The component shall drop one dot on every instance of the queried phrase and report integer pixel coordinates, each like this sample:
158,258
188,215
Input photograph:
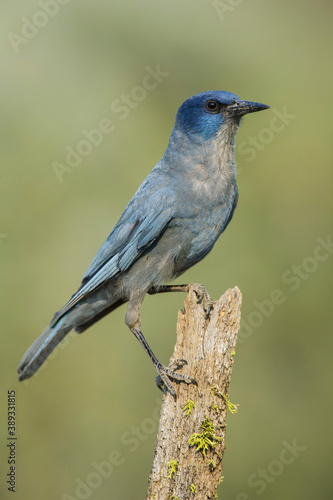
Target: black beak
240,108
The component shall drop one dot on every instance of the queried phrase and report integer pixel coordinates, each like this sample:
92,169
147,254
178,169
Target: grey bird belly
188,237
183,243
154,267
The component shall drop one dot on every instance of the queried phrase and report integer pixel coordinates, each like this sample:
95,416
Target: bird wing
136,230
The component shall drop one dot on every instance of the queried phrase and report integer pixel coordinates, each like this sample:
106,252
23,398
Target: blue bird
170,224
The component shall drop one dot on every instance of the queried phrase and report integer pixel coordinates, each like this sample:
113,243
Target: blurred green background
91,399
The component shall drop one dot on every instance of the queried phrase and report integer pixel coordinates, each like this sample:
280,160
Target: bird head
203,115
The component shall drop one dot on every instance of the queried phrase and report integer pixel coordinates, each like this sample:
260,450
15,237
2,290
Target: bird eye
212,106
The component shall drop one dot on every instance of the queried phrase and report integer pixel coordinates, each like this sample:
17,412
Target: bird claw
203,298
165,373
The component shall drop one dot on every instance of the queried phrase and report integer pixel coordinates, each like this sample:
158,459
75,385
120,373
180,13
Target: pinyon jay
170,224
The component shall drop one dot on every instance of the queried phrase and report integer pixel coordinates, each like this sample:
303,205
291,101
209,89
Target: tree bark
191,436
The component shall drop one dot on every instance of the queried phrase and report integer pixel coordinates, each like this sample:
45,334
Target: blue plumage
171,223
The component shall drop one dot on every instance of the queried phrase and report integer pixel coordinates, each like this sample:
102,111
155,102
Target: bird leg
200,291
164,373
169,288
133,321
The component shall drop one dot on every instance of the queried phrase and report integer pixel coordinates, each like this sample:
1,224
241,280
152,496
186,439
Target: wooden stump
191,436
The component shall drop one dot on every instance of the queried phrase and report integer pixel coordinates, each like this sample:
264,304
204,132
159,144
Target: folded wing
133,234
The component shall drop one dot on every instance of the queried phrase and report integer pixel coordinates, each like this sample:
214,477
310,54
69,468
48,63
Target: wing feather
128,240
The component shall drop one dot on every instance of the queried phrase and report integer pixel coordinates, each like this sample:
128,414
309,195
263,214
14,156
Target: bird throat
223,149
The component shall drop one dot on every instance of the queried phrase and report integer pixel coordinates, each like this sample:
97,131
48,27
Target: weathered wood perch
191,439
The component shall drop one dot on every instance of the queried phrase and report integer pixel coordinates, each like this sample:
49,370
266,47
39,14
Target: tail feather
87,324
79,317
41,348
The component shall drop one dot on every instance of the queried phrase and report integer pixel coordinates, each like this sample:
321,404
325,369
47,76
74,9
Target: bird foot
165,373
203,297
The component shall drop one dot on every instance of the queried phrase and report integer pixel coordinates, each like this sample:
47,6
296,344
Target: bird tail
42,347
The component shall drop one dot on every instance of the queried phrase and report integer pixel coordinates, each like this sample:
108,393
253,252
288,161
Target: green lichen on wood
212,464
206,440
189,405
230,406
173,466
216,408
